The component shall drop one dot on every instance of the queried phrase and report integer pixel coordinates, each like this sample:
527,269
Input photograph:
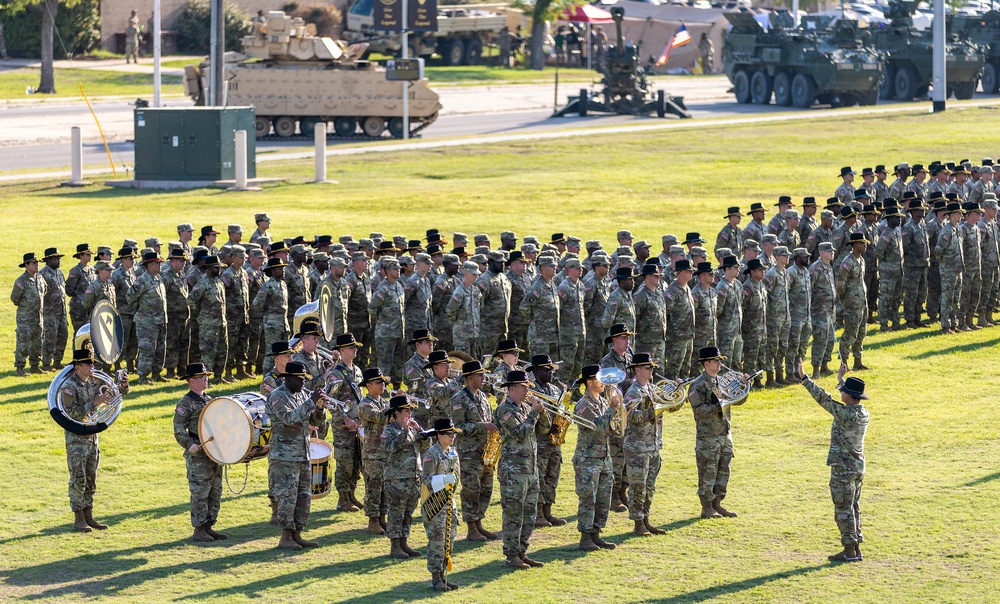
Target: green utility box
192,143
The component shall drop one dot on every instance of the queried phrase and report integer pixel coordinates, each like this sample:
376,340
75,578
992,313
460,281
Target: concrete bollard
76,159
241,160
320,135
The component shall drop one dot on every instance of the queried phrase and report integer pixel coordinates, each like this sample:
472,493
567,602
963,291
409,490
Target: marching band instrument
328,358
669,395
611,377
562,417
426,402
491,452
235,429
105,339
458,358
733,387
320,453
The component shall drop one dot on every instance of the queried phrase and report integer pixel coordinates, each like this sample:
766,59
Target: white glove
439,481
450,479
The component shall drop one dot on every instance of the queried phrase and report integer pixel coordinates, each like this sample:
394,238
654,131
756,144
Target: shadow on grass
737,586
910,335
982,479
968,347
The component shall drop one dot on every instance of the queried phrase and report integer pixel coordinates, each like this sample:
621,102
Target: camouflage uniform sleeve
455,303
71,281
822,396
701,402
181,417
459,417
394,438
73,403
527,308
843,273
18,291
510,427
134,292
291,415
376,303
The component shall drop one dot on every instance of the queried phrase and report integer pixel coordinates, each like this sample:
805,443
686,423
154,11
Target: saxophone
491,453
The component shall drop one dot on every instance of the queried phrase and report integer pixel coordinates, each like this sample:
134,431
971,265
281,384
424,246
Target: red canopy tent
588,14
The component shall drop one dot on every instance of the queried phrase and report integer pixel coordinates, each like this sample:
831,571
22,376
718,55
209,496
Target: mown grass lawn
929,496
95,83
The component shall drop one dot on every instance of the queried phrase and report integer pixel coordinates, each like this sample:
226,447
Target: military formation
899,253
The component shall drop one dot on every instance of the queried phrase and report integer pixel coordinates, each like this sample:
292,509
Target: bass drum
235,429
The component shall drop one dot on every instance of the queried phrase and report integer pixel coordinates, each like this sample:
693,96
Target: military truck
296,80
824,62
909,63
984,32
463,31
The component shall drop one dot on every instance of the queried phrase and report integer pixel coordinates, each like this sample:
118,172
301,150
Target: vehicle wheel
783,89
989,80
284,126
965,90
760,88
396,127
456,52
373,126
307,126
871,97
905,83
741,86
473,51
345,126
262,126
888,86
803,91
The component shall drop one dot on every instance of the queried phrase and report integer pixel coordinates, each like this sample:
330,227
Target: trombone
557,408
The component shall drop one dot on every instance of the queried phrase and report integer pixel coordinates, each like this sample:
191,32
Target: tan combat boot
640,529
653,529
288,540
438,583
201,535
717,506
553,520
274,513
215,534
515,561
474,535
485,533
374,527
396,551
708,511
816,374
540,519
405,546
88,515
596,538
587,543
530,562
80,523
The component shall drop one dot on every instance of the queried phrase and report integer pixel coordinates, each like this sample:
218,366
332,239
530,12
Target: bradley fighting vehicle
626,89
821,62
984,32
296,80
909,61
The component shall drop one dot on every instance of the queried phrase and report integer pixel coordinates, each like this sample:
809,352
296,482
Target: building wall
115,13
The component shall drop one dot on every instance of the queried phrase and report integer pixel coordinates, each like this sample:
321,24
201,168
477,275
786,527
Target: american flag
680,38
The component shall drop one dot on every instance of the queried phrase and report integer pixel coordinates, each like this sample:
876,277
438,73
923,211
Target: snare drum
320,453
238,426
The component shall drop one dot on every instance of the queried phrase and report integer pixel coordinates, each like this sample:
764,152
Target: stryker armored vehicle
823,61
296,80
909,64
984,32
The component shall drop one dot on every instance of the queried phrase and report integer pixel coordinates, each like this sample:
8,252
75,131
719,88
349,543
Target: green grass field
929,495
95,83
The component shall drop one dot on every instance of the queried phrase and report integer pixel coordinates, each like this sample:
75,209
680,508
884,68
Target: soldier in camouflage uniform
989,236
650,315
984,185
123,277
256,278
520,283
80,277
846,458
778,318
440,387
387,313
870,227
237,288
471,413
889,251
204,476
148,297
822,311
372,414
310,335
464,312
879,190
949,253
714,440
777,222
729,311
297,280
845,192
918,184
209,297
101,289
281,355
415,377
444,288
916,259
549,454
789,235
592,461
176,288
898,186
972,277
706,309
597,290
824,232
359,295
401,441
518,420
854,298
271,303
318,271
620,307
642,456
799,304
620,356
808,222
756,229
754,307
572,321
28,295
345,421
495,289
540,308
81,394
441,470
289,473
731,235
55,331
680,322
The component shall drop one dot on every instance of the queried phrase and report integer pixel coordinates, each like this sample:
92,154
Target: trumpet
563,417
426,402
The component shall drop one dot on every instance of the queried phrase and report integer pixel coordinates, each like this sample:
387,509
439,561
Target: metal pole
218,43
590,48
156,53
320,135
212,56
405,52
795,11
939,79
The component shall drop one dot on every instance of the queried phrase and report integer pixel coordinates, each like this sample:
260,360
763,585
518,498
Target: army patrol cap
478,259
781,251
624,251
132,243
152,242
600,260
826,215
426,258
531,239
573,263
471,268
722,252
624,235
482,250
261,217
800,252
676,249
985,170
496,256
317,257
592,244
450,259
641,244
400,240
226,250
790,214
404,261
366,244
529,248
235,228
825,246
374,236
102,265
459,239
508,235
481,239
298,248
185,228
256,253
699,252
356,256
669,240
546,261
990,201
389,263
238,251
103,249
751,244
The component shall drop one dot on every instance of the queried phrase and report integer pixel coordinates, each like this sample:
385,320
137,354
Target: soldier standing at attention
845,192
132,39
372,413
789,235
934,222
972,277
101,289
123,277
854,299
518,420
756,229
879,189
917,185
572,321
359,295
263,223
549,454
444,287
778,319
898,186
401,441
471,412
55,331
949,254
282,355
777,222
729,309
148,297
597,289
237,289
916,259
731,235
176,288
517,276
592,461
271,303
463,312
621,307
80,278
297,280
824,232
204,476
387,313
28,296
620,356
209,297
440,474
340,300
495,305
714,439
870,227
540,308
680,322
823,310
989,236
309,335
417,289
846,458
705,309
650,314
289,473
808,222
889,251
255,280
799,305
754,303
345,421
642,456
